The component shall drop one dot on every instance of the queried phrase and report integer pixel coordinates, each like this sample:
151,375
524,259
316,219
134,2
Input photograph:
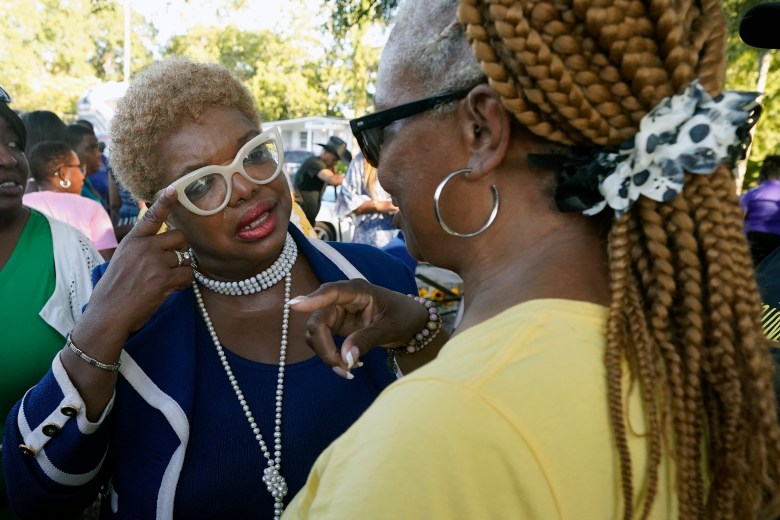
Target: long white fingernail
352,357
297,299
343,373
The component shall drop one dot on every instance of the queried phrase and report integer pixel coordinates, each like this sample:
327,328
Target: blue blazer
151,408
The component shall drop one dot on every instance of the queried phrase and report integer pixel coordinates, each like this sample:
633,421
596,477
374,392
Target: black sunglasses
4,97
369,130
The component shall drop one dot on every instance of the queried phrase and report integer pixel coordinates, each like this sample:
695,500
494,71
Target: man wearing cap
316,172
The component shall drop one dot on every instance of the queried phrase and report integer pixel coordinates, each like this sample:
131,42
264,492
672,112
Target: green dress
28,344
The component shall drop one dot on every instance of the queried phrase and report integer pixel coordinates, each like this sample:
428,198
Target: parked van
98,105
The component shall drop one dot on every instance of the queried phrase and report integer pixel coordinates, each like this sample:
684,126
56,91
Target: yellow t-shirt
510,421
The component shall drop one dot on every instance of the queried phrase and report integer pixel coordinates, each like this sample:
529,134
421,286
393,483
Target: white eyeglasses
207,190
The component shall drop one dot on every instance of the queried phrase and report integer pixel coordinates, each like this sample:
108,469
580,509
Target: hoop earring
65,183
444,226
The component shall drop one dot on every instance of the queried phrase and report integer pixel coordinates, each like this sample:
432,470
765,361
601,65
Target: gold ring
180,258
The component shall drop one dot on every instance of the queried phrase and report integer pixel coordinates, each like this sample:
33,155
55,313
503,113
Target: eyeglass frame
385,118
227,172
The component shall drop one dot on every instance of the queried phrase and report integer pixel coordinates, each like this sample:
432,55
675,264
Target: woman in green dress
45,279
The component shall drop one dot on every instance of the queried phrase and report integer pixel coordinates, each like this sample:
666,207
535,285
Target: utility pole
127,42
764,61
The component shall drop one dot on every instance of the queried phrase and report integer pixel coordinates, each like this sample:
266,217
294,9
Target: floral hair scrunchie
689,132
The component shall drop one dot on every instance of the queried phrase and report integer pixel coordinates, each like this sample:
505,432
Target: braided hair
684,315
685,309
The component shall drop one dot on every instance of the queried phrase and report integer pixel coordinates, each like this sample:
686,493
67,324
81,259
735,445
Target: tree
348,14
51,51
300,68
350,71
279,73
356,30
744,72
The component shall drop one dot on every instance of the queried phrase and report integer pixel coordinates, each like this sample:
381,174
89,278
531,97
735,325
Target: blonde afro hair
159,101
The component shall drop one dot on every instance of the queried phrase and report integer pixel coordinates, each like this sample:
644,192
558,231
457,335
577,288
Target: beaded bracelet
108,367
420,340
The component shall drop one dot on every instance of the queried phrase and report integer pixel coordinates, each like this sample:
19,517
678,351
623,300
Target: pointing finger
155,216
350,294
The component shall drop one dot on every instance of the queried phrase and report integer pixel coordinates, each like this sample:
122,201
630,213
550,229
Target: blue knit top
175,445
223,466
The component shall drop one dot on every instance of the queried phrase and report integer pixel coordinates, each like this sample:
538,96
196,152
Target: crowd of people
572,162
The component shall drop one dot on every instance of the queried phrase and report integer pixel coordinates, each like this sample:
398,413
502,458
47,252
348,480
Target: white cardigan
74,259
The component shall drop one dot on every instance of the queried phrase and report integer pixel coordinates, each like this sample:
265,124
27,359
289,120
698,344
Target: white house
305,132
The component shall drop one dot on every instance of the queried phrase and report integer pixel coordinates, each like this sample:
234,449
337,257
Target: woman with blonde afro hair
187,390
573,161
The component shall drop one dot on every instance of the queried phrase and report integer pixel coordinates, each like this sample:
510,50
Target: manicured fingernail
352,354
297,299
359,364
169,190
343,373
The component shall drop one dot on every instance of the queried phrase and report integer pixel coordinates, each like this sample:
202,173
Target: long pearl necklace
258,282
272,476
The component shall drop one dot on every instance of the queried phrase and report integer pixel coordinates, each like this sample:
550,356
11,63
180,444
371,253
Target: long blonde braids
685,309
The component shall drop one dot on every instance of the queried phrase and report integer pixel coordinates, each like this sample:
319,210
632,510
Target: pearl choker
258,282
272,477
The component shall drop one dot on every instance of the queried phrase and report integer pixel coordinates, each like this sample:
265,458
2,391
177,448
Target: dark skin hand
367,315
373,206
141,276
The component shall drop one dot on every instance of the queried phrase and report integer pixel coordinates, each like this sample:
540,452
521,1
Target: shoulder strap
337,258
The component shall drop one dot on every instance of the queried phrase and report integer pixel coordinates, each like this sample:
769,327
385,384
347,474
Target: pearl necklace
272,476
258,282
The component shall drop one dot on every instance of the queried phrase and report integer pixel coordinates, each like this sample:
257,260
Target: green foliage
51,51
742,74
236,50
353,25
281,75
296,71
349,14
350,70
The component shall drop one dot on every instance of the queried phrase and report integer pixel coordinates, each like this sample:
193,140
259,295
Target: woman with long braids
572,161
